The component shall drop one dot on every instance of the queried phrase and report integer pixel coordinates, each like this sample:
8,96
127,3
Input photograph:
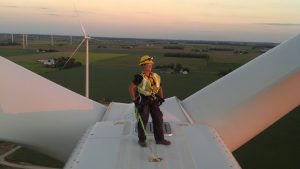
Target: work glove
137,101
160,100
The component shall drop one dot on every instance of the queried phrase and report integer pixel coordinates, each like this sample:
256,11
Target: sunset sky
236,20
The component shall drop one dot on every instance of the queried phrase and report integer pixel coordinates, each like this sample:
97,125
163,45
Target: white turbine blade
74,52
248,100
31,104
82,29
81,25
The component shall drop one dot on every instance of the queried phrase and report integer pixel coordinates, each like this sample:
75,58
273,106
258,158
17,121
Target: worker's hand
160,101
137,101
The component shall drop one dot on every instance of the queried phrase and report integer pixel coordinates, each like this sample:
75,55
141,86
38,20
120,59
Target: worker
147,94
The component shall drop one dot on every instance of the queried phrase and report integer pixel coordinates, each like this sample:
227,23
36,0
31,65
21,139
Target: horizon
233,20
134,38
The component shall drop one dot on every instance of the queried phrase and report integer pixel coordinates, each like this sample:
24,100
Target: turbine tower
52,43
26,40
23,41
12,38
87,69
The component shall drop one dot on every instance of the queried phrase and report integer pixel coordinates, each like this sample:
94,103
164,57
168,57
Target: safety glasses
151,58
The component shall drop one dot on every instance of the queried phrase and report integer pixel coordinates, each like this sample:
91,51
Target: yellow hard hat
146,59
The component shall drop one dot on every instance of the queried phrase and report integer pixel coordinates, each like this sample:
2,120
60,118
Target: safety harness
149,85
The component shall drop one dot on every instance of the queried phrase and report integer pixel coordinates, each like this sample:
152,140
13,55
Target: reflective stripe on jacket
149,85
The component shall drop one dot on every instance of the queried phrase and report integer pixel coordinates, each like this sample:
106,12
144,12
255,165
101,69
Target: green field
116,68
112,69
28,156
7,52
277,147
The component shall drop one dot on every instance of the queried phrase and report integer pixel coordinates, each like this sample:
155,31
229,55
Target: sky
224,20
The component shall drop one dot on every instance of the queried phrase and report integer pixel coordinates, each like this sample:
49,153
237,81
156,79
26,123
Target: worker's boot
143,144
164,142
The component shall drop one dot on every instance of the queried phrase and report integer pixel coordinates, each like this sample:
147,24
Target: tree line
188,55
176,68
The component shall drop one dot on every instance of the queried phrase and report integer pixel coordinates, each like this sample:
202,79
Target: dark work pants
150,107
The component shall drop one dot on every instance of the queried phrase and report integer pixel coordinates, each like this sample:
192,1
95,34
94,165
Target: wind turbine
12,38
23,41
26,40
52,43
71,40
87,70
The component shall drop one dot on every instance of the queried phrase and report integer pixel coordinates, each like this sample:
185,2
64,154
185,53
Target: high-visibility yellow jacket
149,85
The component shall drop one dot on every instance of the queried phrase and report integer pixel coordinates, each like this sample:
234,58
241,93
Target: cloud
53,14
43,8
281,24
11,6
83,12
26,7
59,15
226,5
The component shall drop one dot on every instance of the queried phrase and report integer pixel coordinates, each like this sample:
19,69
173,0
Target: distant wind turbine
12,38
26,40
52,43
85,39
23,41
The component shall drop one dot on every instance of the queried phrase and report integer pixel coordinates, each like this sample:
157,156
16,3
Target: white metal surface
111,145
251,98
167,130
171,109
